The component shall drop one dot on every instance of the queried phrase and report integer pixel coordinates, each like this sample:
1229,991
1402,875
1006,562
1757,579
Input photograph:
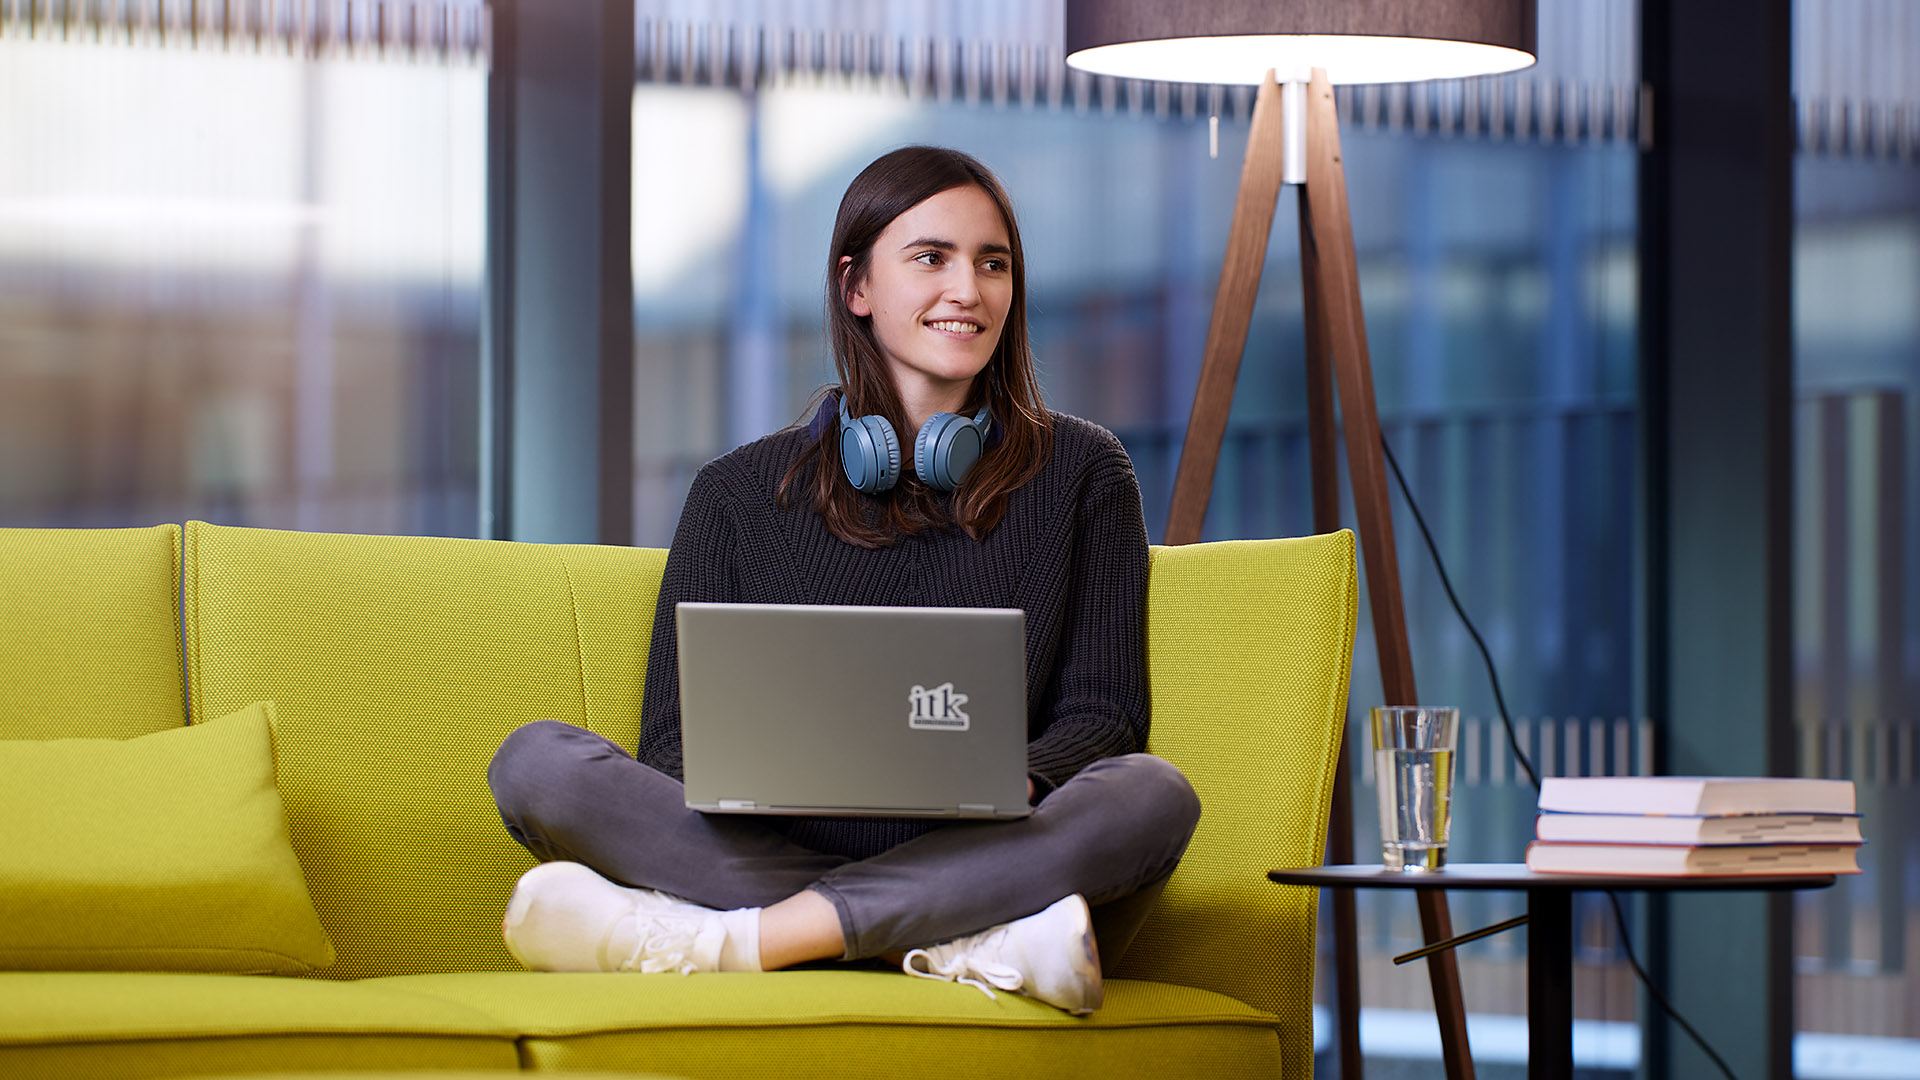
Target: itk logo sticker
937,709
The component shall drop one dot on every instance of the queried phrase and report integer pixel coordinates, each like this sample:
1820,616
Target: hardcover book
1716,829
1695,796
1686,861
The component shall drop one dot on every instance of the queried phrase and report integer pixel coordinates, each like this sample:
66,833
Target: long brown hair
1007,386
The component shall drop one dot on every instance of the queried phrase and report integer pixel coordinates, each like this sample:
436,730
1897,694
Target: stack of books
1695,825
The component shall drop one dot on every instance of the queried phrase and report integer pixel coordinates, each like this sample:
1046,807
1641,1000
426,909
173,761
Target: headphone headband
944,450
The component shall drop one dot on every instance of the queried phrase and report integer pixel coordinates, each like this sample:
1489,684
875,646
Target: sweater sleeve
1098,703
700,567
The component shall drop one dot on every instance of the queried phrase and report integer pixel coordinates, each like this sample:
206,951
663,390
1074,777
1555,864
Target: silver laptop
866,711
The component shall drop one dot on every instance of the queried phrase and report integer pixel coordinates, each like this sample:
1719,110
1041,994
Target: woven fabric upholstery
1249,646
398,665
167,1058
90,627
141,1024
166,852
840,1022
438,1074
40,1008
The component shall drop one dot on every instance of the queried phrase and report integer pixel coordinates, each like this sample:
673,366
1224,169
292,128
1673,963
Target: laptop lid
843,710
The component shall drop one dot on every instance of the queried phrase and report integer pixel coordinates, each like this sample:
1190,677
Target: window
239,284
1856,519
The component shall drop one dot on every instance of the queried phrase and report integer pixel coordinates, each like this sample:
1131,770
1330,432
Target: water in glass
1416,797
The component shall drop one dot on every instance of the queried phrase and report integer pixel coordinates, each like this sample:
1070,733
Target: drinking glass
1413,749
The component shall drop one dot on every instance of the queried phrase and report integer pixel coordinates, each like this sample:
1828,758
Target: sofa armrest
1250,644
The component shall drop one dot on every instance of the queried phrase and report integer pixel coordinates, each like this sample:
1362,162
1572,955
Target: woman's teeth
955,327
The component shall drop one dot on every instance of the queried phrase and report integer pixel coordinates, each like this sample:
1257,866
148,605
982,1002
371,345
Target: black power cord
1619,916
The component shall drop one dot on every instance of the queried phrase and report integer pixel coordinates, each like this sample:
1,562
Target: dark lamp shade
1356,41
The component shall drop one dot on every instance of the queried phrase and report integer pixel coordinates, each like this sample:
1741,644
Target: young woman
990,500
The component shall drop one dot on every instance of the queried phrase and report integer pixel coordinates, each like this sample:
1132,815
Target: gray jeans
1113,834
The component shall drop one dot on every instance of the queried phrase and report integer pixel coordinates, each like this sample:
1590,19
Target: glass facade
1857,587
1856,521
239,286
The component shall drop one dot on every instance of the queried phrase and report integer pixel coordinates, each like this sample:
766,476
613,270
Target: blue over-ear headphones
946,447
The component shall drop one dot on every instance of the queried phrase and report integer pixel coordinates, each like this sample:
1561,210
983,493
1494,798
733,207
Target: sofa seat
833,1023
154,1024
799,1023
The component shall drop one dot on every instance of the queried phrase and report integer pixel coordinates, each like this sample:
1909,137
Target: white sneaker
1048,956
565,917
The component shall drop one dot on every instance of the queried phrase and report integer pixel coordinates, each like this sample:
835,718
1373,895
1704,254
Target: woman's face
938,285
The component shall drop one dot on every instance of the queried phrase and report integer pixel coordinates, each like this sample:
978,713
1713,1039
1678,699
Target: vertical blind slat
1856,64
439,30
1585,88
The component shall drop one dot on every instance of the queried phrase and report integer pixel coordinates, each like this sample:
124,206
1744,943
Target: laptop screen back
888,711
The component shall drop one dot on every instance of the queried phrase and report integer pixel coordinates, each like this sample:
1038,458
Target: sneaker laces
661,943
960,961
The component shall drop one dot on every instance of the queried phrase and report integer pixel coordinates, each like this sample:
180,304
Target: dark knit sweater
1071,552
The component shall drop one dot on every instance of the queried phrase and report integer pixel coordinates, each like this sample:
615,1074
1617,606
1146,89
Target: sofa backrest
90,628
398,665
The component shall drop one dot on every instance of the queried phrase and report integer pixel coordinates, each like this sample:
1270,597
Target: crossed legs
1112,834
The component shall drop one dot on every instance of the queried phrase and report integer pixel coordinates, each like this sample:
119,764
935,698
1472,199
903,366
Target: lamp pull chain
1213,121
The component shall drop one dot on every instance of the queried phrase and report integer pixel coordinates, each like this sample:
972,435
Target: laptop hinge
737,804
976,808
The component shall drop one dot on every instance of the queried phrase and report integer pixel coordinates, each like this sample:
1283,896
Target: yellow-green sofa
398,664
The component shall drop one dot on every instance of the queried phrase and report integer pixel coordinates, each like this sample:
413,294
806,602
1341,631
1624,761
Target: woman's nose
964,287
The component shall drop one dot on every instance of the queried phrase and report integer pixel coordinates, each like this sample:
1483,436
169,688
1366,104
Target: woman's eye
927,255
998,265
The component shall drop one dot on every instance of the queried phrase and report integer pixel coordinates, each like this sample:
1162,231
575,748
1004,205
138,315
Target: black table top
1516,877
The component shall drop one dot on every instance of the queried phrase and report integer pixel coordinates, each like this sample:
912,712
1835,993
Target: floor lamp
1294,51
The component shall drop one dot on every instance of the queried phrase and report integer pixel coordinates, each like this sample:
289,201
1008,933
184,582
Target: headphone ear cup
869,451
863,456
947,446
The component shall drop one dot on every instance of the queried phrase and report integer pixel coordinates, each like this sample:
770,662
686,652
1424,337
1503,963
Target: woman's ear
856,299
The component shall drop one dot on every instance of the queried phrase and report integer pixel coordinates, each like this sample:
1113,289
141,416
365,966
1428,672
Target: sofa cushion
414,1074
806,1023
849,1022
90,632
399,665
166,852
153,1024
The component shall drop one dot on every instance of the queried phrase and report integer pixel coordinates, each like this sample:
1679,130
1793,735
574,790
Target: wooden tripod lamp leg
1332,287
1253,210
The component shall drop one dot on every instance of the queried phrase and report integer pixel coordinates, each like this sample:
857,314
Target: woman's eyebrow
948,245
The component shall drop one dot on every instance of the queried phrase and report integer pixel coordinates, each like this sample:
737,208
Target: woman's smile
957,329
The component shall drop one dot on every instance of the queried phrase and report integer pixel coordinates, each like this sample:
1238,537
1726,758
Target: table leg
1549,984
